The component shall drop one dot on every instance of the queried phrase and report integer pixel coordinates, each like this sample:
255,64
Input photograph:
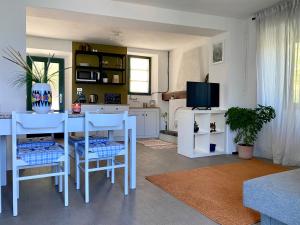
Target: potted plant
247,123
41,93
165,118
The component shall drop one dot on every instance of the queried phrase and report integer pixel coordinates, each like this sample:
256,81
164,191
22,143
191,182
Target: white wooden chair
74,141
37,141
35,154
103,150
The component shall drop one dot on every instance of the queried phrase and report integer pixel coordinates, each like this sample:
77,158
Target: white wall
39,46
188,63
12,26
219,73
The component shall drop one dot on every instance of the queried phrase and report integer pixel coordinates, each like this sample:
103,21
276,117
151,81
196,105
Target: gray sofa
276,197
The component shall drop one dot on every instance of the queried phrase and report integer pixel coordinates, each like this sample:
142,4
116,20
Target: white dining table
75,124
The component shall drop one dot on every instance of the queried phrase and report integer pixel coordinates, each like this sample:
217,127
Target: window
139,75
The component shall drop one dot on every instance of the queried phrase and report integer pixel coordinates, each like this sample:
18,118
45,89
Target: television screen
197,94
214,94
202,95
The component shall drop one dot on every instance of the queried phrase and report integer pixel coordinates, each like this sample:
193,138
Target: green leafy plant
248,122
30,74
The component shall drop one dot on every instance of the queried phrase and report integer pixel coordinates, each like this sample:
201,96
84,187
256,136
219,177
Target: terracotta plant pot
245,152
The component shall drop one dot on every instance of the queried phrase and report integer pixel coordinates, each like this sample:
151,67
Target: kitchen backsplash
138,100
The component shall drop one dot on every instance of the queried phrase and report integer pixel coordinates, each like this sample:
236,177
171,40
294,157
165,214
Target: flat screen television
203,95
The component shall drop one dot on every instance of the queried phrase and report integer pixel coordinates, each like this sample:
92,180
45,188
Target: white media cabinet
193,144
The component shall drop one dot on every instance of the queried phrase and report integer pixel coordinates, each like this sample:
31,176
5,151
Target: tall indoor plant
41,93
247,123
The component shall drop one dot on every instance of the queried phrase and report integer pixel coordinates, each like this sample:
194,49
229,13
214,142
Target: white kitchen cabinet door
115,108
140,122
151,118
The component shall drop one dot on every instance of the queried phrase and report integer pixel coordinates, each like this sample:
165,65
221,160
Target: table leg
132,133
3,160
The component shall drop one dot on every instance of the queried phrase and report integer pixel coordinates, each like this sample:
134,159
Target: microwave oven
85,75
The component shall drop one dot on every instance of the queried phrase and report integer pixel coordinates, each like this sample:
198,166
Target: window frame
61,78
129,75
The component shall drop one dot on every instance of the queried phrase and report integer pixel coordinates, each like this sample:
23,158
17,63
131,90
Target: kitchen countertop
102,104
144,107
71,115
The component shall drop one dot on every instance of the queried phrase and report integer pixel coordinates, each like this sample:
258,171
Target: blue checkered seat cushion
40,155
35,142
80,139
106,149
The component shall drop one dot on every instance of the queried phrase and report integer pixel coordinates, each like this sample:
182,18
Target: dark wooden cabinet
110,65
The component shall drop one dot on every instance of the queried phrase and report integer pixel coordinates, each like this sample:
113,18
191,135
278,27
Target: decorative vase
245,152
41,97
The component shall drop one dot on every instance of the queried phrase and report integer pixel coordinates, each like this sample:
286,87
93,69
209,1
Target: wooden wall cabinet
108,64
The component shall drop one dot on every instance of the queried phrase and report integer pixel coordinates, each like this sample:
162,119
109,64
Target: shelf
113,54
81,52
198,145
201,132
88,67
113,69
218,132
111,83
86,82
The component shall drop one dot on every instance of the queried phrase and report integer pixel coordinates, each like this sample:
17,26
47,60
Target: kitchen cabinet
108,64
140,122
147,122
104,108
147,119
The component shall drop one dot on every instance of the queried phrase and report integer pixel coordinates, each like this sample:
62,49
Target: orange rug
217,191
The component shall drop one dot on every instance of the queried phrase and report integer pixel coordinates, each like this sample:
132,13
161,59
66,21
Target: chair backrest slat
109,121
31,123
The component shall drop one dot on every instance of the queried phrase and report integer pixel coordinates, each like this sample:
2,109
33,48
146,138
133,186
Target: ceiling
109,30
229,8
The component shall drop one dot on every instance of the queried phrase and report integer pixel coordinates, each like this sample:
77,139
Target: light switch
79,91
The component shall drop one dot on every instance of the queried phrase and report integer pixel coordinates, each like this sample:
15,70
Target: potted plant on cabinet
247,123
165,118
41,94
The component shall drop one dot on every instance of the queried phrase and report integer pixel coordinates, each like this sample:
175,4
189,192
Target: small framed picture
218,52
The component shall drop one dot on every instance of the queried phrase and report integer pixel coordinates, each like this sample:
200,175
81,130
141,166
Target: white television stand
197,144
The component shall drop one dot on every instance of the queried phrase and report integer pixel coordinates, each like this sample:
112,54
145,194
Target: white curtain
278,71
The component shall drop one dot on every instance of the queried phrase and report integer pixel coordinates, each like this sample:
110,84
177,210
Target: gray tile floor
41,204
